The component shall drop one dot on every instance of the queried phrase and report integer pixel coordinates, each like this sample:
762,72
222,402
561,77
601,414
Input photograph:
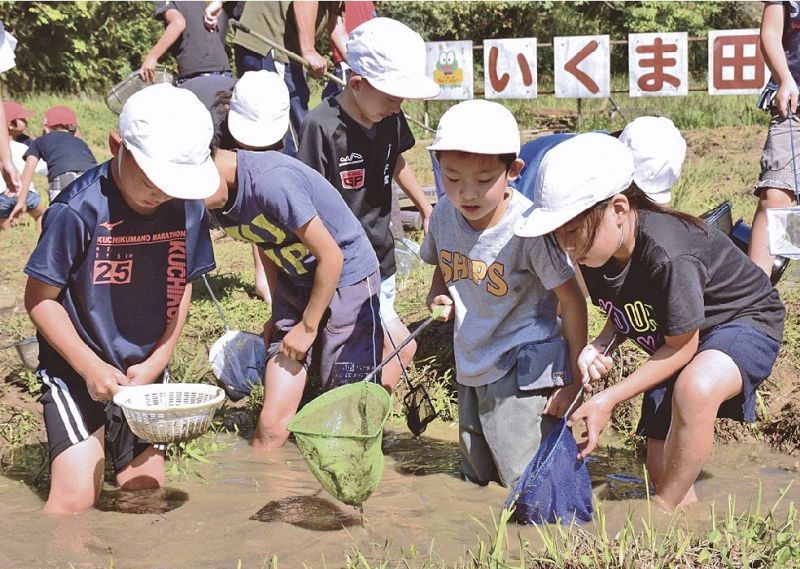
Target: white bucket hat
477,126
168,131
259,114
574,176
658,153
391,56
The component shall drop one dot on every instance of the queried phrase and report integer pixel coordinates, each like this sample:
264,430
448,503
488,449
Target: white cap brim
413,87
182,181
539,221
257,134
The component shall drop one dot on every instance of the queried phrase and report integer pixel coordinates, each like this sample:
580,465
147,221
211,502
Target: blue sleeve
33,150
289,199
61,247
200,253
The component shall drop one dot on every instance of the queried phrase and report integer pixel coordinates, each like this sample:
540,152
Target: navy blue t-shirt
123,274
276,196
63,152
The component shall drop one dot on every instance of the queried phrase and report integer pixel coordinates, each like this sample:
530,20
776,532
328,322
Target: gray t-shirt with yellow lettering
501,286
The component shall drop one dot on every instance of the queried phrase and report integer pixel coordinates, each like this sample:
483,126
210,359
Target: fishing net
420,411
555,486
238,360
339,435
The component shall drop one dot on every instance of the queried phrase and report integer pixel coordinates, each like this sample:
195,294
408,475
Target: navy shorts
71,416
349,342
753,352
7,203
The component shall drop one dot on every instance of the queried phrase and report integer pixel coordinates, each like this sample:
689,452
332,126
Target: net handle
217,304
436,313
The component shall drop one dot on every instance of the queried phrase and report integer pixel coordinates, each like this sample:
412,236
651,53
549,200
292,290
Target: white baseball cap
574,176
168,131
658,153
477,126
259,114
391,56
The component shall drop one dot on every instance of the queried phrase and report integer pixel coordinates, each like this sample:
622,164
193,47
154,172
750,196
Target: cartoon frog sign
447,72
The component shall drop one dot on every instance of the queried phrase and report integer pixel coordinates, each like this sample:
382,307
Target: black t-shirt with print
360,163
680,278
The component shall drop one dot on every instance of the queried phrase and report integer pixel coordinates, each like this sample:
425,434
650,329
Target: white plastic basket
169,413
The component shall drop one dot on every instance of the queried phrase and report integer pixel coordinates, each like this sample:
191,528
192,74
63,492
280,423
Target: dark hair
638,200
507,159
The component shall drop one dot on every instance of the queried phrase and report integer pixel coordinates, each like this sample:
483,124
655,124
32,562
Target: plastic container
28,351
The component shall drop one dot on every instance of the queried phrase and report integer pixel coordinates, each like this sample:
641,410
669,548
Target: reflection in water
422,456
157,501
307,512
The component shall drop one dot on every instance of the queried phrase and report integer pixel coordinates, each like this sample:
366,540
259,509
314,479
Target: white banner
450,65
735,63
658,64
582,66
509,68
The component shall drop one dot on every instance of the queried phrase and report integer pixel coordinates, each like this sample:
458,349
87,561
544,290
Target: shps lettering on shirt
456,267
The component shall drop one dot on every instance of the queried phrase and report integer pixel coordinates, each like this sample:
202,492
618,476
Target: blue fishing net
555,486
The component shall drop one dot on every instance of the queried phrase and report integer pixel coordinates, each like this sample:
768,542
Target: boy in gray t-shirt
515,358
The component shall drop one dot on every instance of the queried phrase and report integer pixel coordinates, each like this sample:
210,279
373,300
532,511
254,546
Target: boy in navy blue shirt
109,289
321,269
67,156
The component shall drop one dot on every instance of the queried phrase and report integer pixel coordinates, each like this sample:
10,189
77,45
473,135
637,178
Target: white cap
658,153
391,56
477,126
574,176
168,132
259,114
8,44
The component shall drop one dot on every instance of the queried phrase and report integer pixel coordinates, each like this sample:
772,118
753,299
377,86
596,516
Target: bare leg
144,472
759,236
283,389
262,286
710,379
391,373
76,477
655,470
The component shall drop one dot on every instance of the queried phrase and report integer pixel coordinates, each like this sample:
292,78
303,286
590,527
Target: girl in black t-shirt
681,290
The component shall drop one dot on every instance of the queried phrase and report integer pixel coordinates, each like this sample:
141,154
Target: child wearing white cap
681,290
109,287
356,140
515,358
322,273
253,116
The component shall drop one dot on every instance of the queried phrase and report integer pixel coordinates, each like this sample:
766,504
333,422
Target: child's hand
595,413
298,341
18,210
593,365
143,373
560,400
786,95
442,300
103,381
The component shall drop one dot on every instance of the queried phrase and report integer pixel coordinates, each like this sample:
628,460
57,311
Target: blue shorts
7,203
753,352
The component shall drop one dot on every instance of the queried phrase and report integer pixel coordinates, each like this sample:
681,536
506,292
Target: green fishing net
339,435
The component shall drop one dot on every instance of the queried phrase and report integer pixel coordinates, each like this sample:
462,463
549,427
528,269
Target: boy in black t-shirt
109,287
67,156
356,141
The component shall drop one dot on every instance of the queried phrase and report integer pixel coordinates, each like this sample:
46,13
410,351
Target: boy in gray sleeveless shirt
515,358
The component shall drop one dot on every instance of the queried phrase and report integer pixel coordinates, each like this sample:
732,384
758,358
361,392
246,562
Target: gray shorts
349,342
501,428
776,159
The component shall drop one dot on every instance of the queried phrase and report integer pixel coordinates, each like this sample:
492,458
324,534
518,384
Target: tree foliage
88,46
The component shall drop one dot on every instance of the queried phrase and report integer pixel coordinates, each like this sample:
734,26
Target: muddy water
249,507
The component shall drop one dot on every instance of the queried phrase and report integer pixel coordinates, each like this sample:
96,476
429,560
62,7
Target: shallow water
251,507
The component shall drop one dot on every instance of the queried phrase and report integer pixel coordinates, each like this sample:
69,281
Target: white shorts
388,296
